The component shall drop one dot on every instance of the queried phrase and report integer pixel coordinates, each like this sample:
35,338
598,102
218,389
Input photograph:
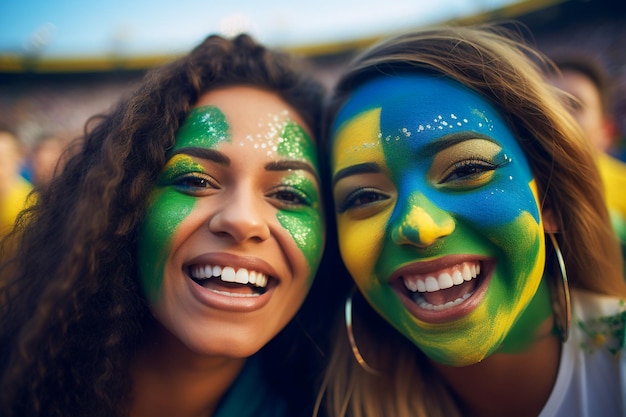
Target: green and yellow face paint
438,217
173,200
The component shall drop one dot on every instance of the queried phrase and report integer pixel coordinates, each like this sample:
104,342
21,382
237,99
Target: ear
549,221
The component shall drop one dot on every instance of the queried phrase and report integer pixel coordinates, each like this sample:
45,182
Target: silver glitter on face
441,123
270,133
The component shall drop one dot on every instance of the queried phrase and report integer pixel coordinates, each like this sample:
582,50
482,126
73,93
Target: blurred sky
66,28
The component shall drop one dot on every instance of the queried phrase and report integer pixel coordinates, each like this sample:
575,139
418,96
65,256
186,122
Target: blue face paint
451,189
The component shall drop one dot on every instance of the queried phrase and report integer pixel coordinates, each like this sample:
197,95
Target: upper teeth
443,279
229,274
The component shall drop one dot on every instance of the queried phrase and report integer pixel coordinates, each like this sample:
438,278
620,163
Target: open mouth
444,289
226,280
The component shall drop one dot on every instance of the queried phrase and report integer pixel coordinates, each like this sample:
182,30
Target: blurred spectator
586,79
587,82
14,189
47,156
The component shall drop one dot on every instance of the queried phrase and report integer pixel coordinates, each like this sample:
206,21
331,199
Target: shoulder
599,320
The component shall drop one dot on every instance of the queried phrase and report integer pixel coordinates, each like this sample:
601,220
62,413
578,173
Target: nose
421,223
240,216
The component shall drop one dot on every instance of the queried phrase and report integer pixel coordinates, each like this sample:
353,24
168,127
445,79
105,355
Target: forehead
241,115
423,106
249,121
249,108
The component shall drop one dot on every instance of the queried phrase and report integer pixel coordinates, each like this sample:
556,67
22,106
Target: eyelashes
361,197
195,183
283,195
467,171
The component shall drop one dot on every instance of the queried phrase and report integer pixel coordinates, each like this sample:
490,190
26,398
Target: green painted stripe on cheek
168,207
163,217
305,224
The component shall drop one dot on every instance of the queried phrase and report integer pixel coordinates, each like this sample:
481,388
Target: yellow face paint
429,185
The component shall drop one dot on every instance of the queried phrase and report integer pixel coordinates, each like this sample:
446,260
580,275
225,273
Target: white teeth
431,284
447,278
467,274
457,277
419,300
229,274
445,281
241,276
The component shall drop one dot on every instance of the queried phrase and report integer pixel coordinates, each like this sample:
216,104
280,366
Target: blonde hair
502,68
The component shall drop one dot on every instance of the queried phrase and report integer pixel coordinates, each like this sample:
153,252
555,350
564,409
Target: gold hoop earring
561,302
355,349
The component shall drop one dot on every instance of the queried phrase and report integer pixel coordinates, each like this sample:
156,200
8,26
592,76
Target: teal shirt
250,395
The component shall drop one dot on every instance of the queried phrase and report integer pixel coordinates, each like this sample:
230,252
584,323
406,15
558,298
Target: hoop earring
355,348
561,303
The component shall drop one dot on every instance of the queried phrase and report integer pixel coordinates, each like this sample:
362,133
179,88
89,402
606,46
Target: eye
466,165
290,196
468,168
361,198
195,183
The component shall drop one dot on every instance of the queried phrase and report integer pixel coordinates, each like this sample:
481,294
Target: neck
171,380
515,385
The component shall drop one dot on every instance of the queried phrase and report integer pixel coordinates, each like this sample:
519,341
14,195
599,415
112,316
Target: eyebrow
286,165
204,153
220,158
452,139
364,168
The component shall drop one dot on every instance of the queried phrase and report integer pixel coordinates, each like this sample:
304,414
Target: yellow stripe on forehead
358,141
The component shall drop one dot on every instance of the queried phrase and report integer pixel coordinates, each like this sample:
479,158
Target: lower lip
225,302
450,314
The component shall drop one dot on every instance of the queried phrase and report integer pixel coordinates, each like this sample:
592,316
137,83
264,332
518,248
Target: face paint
438,216
233,232
205,126
167,208
305,228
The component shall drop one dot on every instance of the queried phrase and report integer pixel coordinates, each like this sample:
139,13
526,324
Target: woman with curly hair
471,218
153,274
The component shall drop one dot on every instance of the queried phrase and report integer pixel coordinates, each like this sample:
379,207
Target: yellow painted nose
422,223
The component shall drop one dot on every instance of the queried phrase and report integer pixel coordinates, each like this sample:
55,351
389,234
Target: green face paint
430,181
168,207
206,127
166,210
233,230
306,227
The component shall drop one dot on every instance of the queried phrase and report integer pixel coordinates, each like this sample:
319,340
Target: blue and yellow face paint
426,170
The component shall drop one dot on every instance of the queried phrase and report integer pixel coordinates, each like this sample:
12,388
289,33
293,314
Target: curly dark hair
72,311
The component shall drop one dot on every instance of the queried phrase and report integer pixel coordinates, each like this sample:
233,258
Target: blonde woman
470,216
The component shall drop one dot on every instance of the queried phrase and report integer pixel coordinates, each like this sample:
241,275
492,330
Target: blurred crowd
43,112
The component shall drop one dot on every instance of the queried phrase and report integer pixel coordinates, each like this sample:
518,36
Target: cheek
360,244
164,215
522,263
308,232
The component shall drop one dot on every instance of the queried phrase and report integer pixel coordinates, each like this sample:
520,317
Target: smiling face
438,218
234,232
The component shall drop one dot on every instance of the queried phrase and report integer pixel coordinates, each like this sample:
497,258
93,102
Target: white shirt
592,373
